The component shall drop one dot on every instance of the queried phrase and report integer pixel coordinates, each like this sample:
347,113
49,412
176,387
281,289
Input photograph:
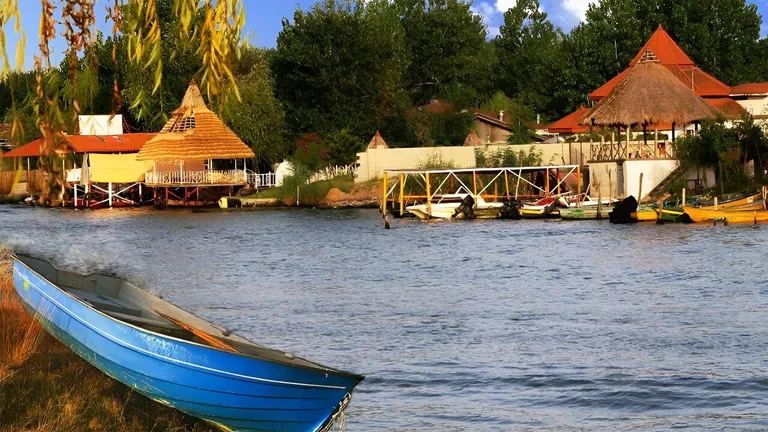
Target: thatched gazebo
377,142
649,95
472,140
185,149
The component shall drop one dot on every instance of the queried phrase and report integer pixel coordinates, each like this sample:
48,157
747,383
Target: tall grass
20,335
45,387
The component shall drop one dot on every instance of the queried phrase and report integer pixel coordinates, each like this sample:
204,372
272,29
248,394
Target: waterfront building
194,151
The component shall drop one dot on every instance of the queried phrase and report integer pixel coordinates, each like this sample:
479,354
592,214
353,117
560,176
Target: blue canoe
178,359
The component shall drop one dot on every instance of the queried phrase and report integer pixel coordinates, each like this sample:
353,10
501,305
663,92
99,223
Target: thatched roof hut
649,94
377,142
194,133
472,139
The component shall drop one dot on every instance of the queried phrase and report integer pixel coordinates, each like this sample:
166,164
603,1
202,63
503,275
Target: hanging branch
219,42
47,109
144,45
78,18
115,14
9,10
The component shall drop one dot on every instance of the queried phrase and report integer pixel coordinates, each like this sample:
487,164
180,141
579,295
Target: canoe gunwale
319,368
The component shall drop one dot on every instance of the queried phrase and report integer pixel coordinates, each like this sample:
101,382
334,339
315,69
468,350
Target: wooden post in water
429,196
578,183
640,189
506,181
683,205
384,193
546,182
402,194
474,185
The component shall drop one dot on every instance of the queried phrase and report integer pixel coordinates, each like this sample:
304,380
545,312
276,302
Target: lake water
463,326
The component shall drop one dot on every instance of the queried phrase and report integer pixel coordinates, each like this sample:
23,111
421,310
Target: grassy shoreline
45,387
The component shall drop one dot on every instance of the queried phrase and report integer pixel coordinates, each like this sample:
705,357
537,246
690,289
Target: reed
45,387
6,182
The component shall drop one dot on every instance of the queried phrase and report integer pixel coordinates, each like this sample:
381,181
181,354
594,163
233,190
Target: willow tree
215,34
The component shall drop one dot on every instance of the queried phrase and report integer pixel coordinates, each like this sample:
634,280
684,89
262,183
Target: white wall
755,105
373,162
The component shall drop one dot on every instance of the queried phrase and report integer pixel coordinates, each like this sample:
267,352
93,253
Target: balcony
195,178
607,152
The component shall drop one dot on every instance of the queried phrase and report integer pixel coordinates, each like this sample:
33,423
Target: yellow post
402,194
546,183
384,194
506,181
474,184
578,182
429,196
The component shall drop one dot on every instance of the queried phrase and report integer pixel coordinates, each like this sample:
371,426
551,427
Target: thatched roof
377,142
472,139
194,133
649,94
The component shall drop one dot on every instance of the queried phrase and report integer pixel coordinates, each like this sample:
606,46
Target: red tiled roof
727,106
750,89
126,143
667,51
673,58
569,123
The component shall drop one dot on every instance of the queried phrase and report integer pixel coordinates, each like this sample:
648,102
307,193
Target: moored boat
587,212
178,359
738,215
448,207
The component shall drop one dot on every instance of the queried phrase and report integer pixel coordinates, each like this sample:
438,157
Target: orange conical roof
377,142
667,51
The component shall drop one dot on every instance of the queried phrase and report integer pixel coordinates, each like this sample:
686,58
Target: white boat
446,207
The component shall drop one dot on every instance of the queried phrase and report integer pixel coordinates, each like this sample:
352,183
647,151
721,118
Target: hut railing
207,177
633,150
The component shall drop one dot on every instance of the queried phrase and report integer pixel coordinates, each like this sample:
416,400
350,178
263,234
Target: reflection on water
515,325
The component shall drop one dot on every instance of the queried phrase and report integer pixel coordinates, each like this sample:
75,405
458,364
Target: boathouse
195,151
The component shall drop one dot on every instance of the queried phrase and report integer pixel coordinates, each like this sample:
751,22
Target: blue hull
234,391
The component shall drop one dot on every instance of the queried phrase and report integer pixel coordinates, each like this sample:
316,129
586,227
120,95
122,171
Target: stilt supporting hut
195,150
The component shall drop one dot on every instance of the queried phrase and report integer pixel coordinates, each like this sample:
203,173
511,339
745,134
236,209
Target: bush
507,157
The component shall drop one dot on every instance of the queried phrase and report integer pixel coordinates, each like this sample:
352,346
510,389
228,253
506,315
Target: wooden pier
403,186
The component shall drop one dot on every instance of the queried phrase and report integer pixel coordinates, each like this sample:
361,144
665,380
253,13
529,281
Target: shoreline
47,387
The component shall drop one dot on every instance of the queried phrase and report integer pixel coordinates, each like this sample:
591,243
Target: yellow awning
116,168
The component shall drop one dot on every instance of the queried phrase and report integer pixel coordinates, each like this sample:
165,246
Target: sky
264,19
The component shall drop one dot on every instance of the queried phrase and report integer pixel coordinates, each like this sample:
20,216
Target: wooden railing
210,177
631,150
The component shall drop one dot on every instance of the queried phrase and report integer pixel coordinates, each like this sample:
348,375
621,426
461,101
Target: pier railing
208,177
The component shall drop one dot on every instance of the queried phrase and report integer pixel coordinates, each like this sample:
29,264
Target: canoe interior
129,304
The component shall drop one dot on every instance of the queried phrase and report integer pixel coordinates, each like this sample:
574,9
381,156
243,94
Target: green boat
581,213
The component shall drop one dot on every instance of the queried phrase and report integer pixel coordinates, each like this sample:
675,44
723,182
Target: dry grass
46,387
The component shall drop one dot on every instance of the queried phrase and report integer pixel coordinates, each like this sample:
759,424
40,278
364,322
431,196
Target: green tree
446,44
528,47
340,65
258,118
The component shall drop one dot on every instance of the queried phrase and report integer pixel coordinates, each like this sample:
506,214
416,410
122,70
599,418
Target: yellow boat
644,216
739,215
739,202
